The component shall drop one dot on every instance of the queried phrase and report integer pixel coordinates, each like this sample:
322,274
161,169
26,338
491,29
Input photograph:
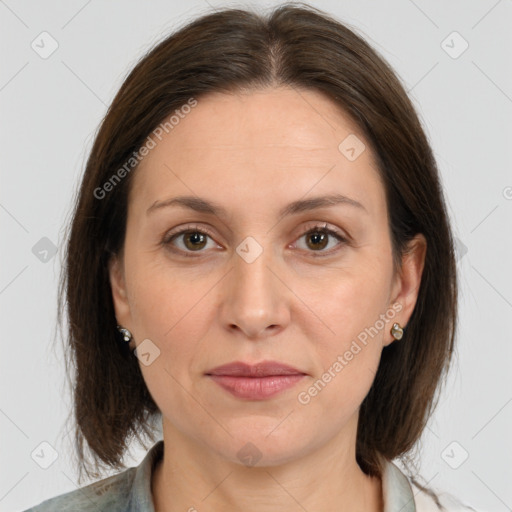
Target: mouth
256,382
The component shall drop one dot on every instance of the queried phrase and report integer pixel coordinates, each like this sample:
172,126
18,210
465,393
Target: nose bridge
257,299
252,274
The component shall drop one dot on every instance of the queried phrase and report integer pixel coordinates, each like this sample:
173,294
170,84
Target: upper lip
263,369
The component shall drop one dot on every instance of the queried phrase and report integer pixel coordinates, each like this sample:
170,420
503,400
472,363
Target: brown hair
241,50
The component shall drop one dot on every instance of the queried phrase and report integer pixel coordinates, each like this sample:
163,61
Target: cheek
349,302
348,357
173,314
348,341
170,309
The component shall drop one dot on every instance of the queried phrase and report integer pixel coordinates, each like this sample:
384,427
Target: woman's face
246,284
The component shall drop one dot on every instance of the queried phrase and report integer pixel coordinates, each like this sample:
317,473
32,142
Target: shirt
130,491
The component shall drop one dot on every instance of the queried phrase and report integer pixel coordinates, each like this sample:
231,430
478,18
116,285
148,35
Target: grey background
50,110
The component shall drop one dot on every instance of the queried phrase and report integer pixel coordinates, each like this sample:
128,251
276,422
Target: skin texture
253,154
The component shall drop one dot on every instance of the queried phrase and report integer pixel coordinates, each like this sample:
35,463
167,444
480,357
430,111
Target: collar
397,492
396,489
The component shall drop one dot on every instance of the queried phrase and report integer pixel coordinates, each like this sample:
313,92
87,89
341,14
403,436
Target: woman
260,257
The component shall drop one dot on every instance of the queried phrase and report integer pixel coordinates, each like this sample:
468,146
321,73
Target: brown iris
317,237
197,240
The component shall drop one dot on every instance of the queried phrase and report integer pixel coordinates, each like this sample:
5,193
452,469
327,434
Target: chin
262,450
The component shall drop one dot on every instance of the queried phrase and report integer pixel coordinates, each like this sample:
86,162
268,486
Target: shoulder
112,494
127,491
429,501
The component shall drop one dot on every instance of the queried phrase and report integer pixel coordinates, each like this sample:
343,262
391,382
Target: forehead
261,144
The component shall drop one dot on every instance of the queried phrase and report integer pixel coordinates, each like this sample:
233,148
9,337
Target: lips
256,382
263,369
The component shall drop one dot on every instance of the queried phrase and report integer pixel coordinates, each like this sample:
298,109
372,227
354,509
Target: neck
191,478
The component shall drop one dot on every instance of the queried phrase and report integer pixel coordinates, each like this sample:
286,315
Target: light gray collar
397,491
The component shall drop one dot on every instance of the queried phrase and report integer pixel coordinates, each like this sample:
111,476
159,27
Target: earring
397,332
126,334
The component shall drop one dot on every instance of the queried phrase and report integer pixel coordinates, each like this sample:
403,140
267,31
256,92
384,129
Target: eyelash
169,237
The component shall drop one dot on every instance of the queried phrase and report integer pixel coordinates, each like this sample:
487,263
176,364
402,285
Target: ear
119,293
407,283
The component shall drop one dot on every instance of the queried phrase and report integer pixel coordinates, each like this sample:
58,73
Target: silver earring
397,332
126,334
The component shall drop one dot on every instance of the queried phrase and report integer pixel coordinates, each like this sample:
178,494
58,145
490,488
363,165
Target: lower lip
256,388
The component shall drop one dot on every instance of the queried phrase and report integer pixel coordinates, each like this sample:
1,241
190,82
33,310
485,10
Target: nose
255,300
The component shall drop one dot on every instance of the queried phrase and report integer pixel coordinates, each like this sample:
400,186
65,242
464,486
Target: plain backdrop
454,59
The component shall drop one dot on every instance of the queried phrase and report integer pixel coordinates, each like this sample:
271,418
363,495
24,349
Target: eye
317,239
192,240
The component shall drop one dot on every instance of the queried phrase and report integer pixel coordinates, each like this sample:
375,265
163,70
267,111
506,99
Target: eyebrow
204,206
